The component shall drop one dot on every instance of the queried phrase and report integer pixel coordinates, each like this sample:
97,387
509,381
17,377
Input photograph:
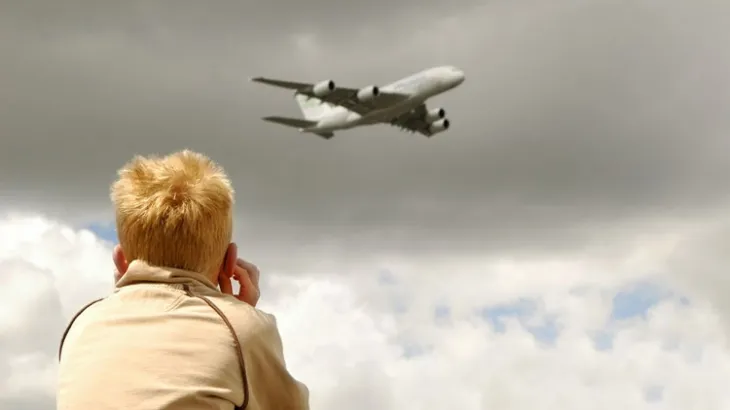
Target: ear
119,260
229,261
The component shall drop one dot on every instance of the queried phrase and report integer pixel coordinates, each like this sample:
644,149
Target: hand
247,275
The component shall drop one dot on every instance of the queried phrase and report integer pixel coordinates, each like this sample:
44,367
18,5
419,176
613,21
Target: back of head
174,211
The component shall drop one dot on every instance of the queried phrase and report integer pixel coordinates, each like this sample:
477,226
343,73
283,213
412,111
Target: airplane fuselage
419,87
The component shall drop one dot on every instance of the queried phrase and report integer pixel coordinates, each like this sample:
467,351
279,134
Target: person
173,335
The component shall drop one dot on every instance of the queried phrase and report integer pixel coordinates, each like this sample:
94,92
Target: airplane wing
342,96
413,121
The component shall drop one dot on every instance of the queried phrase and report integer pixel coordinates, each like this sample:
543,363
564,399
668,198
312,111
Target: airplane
327,108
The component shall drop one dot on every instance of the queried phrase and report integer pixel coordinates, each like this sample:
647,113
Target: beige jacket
155,344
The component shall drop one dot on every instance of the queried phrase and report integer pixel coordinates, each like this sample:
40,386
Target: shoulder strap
73,319
236,343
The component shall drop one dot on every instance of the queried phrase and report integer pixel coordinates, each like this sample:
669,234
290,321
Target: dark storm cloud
574,116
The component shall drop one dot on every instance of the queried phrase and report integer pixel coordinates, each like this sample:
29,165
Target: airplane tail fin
302,125
313,108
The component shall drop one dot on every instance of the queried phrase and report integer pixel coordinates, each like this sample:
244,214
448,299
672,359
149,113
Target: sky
561,246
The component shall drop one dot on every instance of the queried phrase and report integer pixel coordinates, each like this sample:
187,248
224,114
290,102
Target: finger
225,284
249,292
242,263
255,275
240,268
243,276
252,270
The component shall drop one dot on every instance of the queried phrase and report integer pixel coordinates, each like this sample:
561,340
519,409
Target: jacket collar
140,271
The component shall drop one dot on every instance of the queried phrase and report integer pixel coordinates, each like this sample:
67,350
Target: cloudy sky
561,247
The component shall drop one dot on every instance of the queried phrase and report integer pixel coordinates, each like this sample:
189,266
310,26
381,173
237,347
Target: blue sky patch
442,312
637,300
603,340
522,310
412,350
106,232
632,301
548,332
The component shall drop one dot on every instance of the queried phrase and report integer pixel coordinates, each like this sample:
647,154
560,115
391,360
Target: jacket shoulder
248,321
269,383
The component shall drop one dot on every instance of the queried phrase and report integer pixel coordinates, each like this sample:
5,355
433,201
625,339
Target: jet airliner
327,108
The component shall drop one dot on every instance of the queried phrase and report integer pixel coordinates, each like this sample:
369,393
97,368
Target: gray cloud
575,117
29,401
698,266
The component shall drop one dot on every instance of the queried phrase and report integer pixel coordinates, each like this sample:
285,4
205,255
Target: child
167,338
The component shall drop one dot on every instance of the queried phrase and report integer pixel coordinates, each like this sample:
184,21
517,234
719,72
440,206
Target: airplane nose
460,77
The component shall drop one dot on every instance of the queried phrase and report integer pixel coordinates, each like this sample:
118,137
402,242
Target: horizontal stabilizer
291,122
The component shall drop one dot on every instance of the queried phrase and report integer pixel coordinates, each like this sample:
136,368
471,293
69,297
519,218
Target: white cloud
389,336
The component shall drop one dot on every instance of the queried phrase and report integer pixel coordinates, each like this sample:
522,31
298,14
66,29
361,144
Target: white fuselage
419,87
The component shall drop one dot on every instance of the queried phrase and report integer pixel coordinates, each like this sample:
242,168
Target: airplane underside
386,116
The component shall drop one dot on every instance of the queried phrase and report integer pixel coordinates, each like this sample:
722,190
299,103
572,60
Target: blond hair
174,211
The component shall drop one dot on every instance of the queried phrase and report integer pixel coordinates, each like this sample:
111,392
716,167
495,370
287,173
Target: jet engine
368,93
439,126
323,88
435,114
